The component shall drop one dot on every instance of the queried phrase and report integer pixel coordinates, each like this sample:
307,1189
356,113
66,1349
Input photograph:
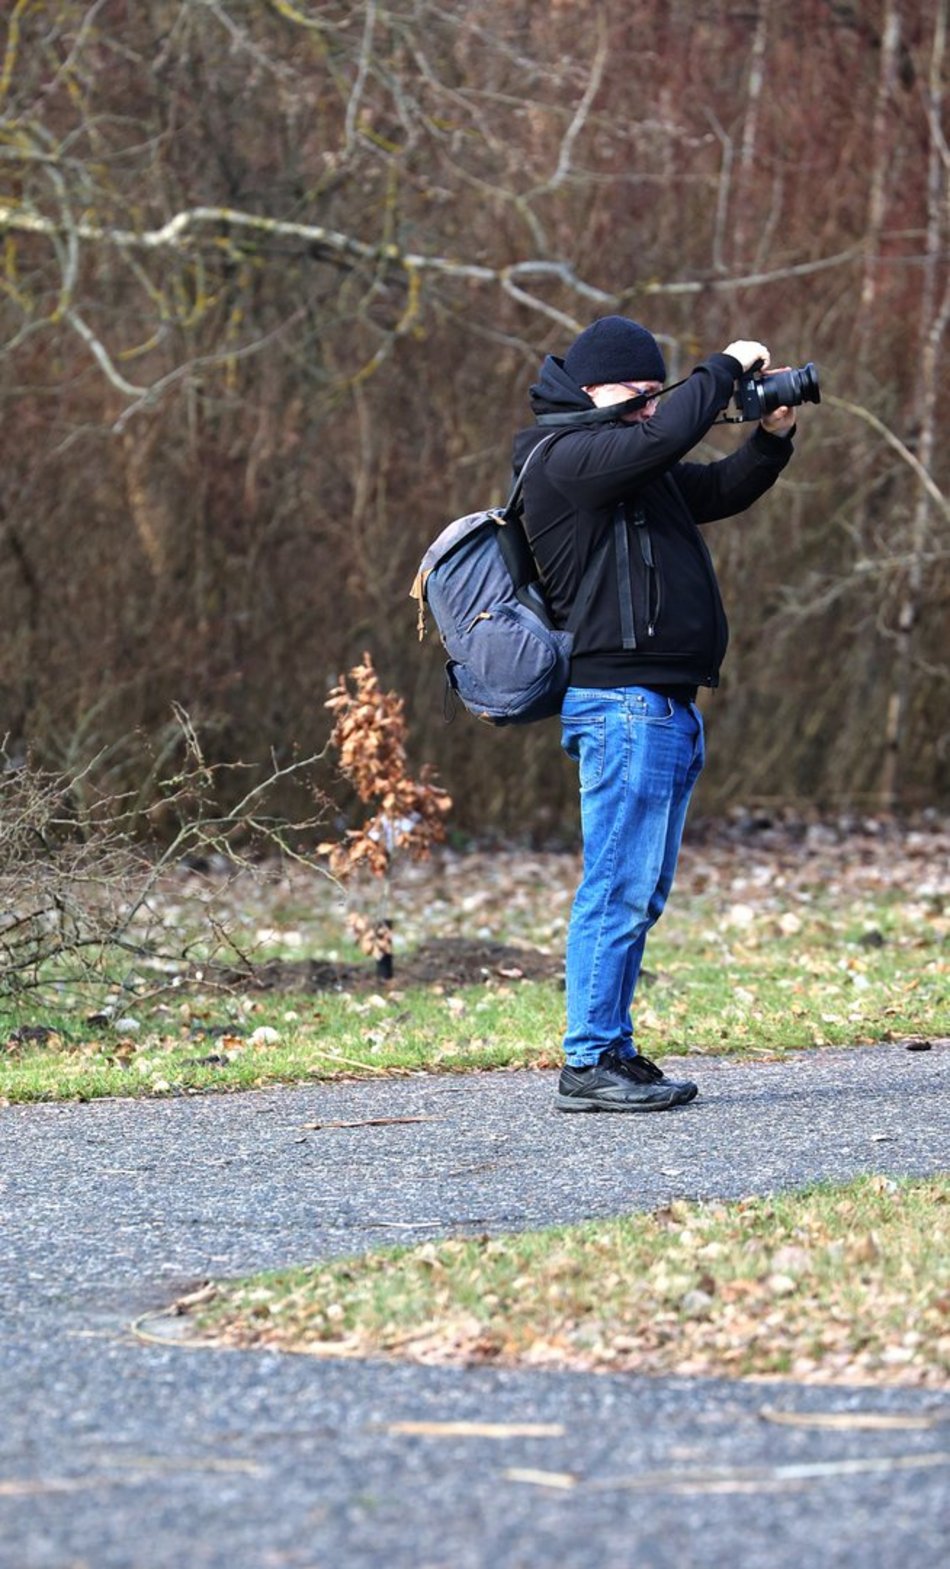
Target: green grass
827,971
847,1282
332,1036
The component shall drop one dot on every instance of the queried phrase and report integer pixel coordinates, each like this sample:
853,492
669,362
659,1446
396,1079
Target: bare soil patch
448,962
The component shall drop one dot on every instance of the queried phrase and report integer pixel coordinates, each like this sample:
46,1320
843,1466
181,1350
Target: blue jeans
639,756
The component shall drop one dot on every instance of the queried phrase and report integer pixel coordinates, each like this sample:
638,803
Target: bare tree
934,316
276,275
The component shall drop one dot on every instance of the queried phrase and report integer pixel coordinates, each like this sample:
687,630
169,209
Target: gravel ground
120,1455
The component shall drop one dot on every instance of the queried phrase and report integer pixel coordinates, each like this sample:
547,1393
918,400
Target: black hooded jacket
572,490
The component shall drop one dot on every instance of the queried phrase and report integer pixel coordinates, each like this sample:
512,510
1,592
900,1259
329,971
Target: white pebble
265,1036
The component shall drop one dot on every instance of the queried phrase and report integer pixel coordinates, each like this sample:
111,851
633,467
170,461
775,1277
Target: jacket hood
555,392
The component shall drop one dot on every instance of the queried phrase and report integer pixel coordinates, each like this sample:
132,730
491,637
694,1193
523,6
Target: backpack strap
519,557
514,502
512,537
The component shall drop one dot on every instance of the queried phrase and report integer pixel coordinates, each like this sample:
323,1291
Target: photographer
653,631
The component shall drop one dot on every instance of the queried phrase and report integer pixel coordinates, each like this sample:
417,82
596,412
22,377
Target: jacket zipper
653,587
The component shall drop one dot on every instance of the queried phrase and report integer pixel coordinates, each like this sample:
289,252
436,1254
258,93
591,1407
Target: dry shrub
85,871
370,735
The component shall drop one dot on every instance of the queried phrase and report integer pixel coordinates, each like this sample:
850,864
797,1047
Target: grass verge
834,972
847,1283
218,1044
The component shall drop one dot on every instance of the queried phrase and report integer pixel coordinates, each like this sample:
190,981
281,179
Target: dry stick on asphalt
368,1122
869,1421
732,1479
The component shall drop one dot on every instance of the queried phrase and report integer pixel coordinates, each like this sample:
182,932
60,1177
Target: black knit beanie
614,349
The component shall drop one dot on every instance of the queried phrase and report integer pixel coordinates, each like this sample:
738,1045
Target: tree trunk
933,323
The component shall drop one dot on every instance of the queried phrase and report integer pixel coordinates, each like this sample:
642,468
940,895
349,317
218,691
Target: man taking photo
653,631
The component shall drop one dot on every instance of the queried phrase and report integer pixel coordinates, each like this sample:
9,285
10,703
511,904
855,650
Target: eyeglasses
640,391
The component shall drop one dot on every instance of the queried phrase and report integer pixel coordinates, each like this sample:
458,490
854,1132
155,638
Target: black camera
757,395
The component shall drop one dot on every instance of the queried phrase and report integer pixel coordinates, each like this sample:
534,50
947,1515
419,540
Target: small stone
895,1355
791,1260
872,939
265,1036
781,1285
696,1304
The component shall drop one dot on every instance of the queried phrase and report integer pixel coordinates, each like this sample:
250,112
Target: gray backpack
508,661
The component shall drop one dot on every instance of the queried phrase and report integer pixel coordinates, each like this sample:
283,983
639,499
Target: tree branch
933,490
101,356
747,280
177,232
580,116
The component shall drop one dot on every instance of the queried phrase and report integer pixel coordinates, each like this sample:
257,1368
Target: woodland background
276,275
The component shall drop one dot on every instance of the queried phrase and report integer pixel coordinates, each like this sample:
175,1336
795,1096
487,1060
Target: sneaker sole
579,1103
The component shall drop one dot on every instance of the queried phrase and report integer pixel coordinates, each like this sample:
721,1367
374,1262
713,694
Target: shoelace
639,1068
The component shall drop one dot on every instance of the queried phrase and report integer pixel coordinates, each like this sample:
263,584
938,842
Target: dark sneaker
618,1083
656,1075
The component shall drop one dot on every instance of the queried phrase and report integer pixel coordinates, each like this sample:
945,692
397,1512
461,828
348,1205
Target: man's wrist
727,362
776,435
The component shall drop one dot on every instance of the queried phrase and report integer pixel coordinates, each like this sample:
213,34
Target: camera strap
608,415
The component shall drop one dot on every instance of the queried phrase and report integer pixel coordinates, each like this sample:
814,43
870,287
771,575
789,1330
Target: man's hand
749,354
781,420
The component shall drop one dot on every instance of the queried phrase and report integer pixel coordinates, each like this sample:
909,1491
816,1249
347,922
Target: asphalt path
119,1454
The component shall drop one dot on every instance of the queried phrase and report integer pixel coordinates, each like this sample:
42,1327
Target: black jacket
571,494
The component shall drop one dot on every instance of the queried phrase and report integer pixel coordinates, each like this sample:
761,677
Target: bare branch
13,43
176,235
291,14
243,41
933,490
79,875
353,105
581,114
882,166
723,193
569,323
748,280
101,356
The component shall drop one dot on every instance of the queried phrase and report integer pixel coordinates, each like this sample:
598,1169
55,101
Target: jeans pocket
652,708
585,742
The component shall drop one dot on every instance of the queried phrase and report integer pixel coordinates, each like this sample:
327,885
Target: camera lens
790,387
811,391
